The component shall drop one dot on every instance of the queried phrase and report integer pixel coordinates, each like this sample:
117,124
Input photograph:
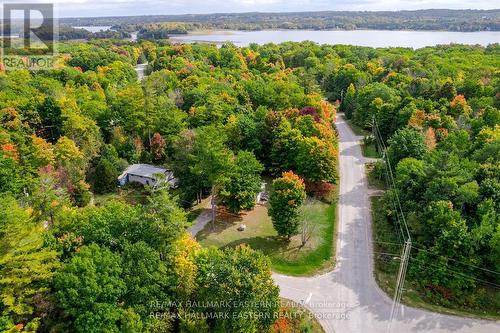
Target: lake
372,38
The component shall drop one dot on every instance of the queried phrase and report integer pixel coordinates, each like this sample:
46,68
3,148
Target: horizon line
285,12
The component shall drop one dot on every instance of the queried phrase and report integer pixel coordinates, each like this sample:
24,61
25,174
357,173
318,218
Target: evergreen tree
105,177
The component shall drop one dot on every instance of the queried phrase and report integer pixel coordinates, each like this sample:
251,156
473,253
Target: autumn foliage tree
287,196
158,147
316,160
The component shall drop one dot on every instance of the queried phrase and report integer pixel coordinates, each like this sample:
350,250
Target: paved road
348,299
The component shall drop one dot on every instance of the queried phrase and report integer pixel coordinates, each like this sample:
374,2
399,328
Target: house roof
143,170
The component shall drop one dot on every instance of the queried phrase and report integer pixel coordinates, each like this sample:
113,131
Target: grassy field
294,318
369,150
386,269
131,194
287,257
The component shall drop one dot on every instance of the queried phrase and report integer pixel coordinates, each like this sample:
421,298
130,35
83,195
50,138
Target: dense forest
429,19
220,118
71,33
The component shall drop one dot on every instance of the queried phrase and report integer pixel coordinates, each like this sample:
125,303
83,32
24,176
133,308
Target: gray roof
143,170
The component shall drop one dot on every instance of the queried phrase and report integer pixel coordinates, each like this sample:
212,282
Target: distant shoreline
417,20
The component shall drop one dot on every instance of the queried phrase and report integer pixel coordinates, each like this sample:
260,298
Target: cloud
80,8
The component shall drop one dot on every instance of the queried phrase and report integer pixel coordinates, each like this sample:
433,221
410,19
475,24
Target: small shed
146,174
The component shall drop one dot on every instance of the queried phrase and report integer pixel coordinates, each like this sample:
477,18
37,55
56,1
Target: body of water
94,29
372,38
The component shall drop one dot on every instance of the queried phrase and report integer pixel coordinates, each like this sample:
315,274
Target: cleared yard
287,257
132,194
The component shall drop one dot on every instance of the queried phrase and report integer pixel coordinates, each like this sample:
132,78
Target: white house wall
142,180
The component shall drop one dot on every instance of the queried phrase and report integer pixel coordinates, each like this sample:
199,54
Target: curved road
348,299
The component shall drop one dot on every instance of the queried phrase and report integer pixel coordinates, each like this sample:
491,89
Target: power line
391,175
464,263
388,254
491,284
390,243
398,292
381,146
405,255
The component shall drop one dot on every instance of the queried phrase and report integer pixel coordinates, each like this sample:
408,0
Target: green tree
239,193
26,266
105,177
48,197
164,219
337,83
212,160
349,103
406,142
128,109
88,290
146,277
51,119
371,100
487,234
247,287
287,196
410,180
446,234
85,134
10,175
285,146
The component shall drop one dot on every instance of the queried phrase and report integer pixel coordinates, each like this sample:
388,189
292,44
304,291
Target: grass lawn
369,150
130,194
386,270
286,257
296,318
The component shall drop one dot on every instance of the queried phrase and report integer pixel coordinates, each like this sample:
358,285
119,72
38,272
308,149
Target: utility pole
405,255
398,292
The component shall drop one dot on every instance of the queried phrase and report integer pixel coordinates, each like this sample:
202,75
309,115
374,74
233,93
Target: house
146,174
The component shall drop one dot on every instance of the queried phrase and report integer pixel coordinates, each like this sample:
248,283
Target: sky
86,8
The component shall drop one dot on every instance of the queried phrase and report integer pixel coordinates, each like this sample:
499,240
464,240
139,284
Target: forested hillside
429,19
221,117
